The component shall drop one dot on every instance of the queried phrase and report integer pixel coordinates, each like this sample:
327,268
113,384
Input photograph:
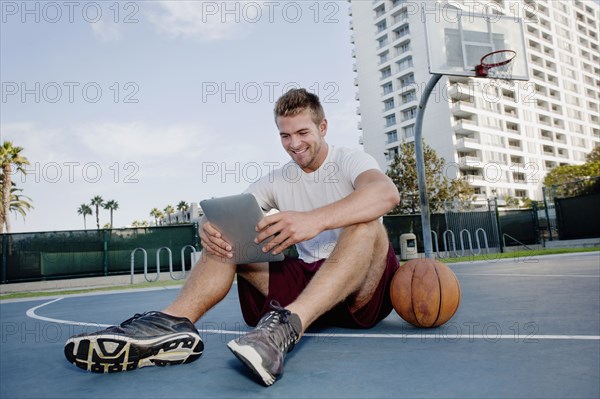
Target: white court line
528,275
31,313
440,336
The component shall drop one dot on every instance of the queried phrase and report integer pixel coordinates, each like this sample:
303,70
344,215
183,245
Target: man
330,201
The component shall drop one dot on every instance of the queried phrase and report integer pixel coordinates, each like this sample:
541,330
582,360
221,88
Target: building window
409,97
383,57
405,63
387,88
403,47
408,131
407,80
410,113
402,16
390,120
386,72
392,137
397,2
401,32
382,41
391,154
388,104
520,193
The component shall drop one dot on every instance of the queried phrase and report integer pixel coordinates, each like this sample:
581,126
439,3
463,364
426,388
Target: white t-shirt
289,188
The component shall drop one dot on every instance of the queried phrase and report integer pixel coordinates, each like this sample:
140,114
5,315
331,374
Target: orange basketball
425,292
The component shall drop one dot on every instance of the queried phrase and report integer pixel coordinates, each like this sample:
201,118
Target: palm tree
97,201
111,205
85,210
156,214
10,157
19,203
169,210
183,207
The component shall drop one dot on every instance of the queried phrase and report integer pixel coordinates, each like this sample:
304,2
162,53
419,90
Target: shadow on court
526,328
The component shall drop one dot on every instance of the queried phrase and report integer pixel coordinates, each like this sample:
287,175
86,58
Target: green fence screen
80,253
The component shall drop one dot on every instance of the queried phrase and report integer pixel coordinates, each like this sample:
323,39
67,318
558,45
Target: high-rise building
504,138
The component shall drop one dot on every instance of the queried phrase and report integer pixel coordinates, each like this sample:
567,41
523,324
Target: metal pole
4,257
547,214
423,201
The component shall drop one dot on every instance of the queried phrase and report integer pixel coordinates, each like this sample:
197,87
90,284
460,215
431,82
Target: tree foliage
573,180
111,206
84,210
594,155
11,160
403,172
97,202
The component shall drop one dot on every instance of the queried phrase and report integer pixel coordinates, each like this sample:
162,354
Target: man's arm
374,195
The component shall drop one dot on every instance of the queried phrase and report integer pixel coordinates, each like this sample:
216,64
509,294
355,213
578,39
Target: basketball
425,292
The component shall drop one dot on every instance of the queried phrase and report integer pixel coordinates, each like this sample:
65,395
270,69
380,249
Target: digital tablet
236,218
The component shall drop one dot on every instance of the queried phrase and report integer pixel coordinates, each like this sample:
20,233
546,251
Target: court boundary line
528,275
31,312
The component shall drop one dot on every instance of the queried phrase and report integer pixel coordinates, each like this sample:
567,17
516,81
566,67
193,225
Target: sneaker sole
252,360
107,353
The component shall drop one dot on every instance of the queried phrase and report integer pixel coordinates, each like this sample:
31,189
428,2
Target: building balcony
465,127
473,179
458,91
467,143
463,109
470,162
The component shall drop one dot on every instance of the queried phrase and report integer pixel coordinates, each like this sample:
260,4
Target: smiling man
330,201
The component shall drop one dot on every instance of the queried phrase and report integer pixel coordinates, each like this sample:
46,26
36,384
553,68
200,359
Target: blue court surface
526,328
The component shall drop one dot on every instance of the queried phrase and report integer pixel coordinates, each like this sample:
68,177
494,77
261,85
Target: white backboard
457,40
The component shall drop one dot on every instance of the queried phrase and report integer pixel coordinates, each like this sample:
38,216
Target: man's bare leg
208,283
353,270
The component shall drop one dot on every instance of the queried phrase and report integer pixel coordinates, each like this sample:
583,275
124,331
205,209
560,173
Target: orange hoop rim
483,67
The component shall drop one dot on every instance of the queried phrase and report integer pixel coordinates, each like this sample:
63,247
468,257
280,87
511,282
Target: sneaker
263,349
148,339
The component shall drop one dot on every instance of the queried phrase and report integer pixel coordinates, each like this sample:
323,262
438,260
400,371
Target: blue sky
151,103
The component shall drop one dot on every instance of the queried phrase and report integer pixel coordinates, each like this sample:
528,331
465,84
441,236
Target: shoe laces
278,327
134,318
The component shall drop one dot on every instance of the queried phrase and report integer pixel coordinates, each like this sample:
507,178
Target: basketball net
498,66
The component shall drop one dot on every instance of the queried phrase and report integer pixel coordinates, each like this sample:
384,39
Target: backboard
458,39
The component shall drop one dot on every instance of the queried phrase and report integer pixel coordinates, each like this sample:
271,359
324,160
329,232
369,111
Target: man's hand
213,243
288,228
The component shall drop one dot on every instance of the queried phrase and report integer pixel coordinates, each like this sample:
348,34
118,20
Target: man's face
303,139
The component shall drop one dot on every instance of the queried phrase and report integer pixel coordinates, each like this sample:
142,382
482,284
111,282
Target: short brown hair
295,101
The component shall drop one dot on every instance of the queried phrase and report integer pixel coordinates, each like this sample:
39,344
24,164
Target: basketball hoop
497,65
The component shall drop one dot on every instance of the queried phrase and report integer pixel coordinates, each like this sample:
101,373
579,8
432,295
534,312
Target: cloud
135,139
106,31
45,143
201,20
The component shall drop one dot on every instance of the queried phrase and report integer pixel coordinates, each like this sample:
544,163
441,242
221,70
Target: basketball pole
423,201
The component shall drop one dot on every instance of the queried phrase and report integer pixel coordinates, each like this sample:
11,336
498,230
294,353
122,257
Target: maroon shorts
288,278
